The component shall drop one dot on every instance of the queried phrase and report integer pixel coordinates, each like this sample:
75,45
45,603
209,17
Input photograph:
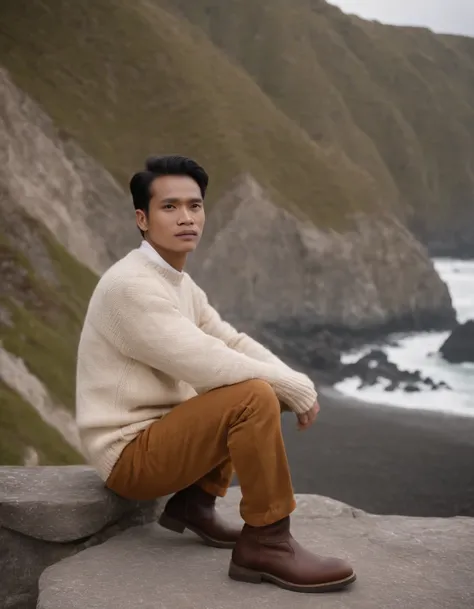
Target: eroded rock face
49,513
51,177
259,262
459,346
399,561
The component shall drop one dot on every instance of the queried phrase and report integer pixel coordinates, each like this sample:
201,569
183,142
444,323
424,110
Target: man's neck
176,260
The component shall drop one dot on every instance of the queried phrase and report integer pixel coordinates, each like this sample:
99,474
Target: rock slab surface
401,563
58,504
50,513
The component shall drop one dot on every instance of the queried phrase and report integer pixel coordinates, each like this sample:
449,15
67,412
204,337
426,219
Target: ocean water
419,352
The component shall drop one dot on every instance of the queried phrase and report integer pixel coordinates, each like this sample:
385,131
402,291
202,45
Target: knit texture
150,341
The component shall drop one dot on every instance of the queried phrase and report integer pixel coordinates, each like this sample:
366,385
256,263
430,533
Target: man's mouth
187,233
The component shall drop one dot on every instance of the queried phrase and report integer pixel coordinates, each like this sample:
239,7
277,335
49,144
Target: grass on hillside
129,79
22,428
331,113
398,100
46,318
42,327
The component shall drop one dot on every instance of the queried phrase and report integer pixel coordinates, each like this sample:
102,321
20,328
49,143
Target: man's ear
141,219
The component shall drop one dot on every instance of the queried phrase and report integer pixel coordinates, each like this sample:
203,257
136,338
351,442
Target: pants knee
265,397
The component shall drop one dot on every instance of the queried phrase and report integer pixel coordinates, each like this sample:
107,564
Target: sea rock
459,346
48,513
375,366
400,562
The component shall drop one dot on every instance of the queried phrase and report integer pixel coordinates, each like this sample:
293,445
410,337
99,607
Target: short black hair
157,166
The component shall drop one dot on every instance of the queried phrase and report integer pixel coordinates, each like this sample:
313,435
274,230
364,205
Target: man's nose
185,218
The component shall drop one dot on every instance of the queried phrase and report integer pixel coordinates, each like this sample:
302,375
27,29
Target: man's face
175,216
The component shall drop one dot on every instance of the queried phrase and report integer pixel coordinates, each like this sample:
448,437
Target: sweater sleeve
148,326
210,321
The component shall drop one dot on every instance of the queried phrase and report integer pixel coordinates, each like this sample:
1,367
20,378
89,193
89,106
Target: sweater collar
154,260
154,255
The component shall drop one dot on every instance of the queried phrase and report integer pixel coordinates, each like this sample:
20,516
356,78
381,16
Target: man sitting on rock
172,399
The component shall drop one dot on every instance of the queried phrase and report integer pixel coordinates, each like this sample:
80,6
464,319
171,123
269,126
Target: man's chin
186,248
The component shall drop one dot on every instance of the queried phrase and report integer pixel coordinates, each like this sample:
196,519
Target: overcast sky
451,16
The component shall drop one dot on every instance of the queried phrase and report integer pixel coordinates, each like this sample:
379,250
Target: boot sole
242,574
178,526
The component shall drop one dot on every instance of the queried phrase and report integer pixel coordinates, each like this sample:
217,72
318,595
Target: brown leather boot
271,554
194,509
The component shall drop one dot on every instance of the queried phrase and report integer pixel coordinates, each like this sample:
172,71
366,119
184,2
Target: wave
419,351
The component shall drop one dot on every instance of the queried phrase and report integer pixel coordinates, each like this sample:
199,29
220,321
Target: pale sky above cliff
450,16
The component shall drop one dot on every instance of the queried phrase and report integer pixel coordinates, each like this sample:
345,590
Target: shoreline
384,459
331,392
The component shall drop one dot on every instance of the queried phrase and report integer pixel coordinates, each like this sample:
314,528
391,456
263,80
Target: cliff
73,545
332,112
45,174
397,101
63,220
329,141
375,275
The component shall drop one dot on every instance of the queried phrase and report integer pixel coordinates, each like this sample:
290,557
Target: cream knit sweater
151,340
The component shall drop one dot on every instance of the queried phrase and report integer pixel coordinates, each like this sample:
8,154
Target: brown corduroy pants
202,441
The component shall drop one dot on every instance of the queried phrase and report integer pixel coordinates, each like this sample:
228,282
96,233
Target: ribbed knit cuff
297,391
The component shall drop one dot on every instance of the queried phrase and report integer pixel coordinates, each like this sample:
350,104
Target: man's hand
306,419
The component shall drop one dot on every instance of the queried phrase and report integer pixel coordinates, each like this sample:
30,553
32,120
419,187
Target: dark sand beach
384,460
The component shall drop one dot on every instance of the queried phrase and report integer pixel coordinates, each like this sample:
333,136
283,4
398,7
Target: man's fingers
302,420
306,419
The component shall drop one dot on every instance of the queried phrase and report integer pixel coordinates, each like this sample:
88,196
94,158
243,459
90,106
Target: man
172,399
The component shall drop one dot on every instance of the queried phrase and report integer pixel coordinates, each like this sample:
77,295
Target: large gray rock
402,563
374,275
49,513
57,503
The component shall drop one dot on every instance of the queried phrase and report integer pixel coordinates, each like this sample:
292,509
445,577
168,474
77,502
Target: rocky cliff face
62,217
374,276
48,176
